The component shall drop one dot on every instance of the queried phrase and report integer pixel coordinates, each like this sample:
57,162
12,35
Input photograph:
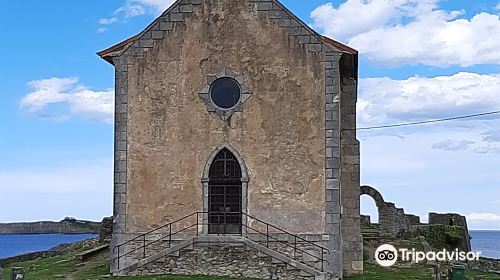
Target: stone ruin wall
394,222
458,220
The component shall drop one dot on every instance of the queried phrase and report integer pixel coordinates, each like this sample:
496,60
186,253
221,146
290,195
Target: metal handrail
157,229
142,237
286,232
294,246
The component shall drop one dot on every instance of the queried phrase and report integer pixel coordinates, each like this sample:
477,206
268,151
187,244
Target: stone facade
294,134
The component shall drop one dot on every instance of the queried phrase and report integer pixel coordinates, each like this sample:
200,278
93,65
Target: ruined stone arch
392,220
373,193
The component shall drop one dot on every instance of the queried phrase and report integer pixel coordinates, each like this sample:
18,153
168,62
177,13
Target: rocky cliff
68,225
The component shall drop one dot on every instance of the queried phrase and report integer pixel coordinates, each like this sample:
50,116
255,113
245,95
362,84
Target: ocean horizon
485,241
18,244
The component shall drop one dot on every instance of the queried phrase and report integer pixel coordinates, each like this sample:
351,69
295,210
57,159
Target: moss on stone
443,236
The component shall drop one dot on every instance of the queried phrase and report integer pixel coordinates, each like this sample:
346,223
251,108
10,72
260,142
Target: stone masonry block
166,26
332,184
176,17
264,6
146,43
157,34
329,152
304,39
329,195
333,207
332,218
315,47
188,8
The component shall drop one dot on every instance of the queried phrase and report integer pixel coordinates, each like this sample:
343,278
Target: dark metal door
224,194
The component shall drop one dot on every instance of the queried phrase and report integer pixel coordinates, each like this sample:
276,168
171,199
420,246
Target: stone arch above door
205,180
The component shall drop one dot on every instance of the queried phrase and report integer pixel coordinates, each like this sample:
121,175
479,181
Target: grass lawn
66,267
376,272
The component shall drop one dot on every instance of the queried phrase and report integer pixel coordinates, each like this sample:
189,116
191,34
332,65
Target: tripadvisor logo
387,255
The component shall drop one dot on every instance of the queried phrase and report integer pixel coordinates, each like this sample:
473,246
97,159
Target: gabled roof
340,46
115,50
119,48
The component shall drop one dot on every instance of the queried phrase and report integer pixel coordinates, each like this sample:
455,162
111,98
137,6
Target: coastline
66,226
57,250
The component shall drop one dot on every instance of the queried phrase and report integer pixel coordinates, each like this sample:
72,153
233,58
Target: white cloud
344,22
63,98
492,136
130,10
453,145
133,8
159,5
492,217
488,149
385,100
412,32
105,21
101,29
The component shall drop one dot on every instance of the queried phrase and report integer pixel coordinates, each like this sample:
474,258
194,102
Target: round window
225,93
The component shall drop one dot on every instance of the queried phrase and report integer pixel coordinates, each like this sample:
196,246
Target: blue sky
418,60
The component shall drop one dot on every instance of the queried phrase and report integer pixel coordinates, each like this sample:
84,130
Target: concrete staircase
264,253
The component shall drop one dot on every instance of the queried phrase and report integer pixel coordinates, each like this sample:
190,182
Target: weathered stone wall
234,260
308,247
279,134
393,221
414,220
485,264
444,219
365,221
457,220
350,170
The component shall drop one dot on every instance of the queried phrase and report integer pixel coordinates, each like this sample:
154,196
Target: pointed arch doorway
225,194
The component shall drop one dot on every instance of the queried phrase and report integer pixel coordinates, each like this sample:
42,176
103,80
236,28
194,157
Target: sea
487,242
14,244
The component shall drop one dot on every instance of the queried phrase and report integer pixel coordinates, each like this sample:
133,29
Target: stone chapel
235,146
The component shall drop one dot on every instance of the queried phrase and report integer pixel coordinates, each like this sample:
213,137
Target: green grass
421,273
61,267
377,272
469,274
413,243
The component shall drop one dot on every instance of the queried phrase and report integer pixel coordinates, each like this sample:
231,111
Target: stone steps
305,270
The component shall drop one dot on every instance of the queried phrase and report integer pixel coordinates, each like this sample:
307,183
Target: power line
429,121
